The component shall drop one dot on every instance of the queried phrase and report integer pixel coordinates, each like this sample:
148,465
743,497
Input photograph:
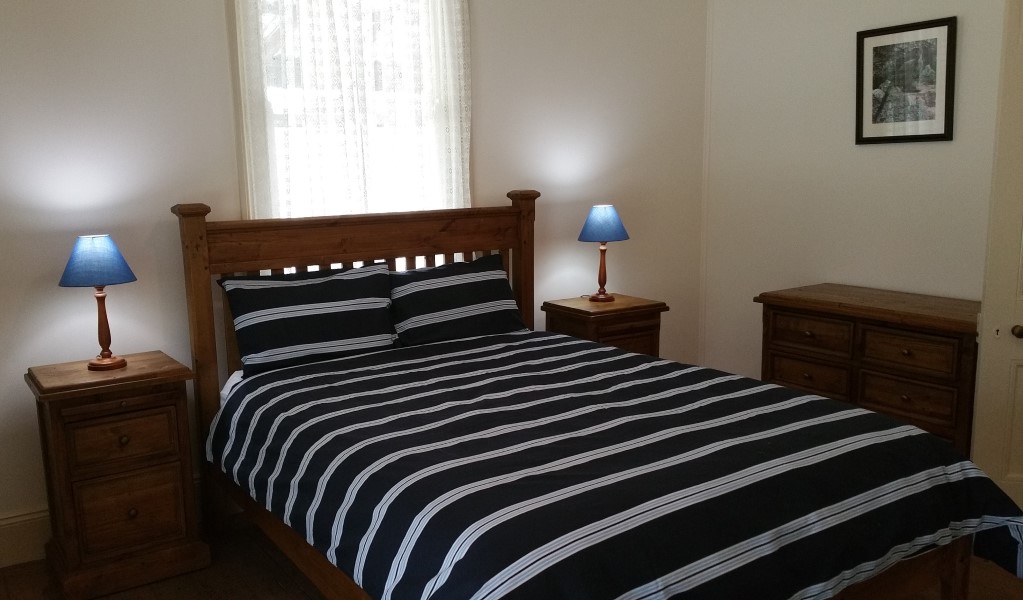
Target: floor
247,567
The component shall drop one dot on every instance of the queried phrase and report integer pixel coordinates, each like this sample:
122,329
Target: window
354,106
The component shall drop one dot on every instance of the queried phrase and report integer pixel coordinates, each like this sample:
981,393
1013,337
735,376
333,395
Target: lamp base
602,297
107,364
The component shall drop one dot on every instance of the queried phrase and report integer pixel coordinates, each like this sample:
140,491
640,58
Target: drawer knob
904,398
907,352
808,334
807,376
123,440
132,513
1017,331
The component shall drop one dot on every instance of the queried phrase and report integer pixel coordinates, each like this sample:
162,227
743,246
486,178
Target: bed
502,462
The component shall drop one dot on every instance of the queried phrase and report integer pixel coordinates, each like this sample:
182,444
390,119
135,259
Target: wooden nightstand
631,323
117,451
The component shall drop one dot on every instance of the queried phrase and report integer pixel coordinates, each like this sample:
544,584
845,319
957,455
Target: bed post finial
522,259
196,259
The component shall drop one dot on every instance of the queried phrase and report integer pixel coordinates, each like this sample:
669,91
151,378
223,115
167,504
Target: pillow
453,301
289,319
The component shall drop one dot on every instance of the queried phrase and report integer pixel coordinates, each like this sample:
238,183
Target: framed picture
905,82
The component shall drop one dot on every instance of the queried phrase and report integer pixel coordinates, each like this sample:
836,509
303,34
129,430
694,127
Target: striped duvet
535,465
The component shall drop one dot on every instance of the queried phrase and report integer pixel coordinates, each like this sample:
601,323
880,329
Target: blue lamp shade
95,261
603,225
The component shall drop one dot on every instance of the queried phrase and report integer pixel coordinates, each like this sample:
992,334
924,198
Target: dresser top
917,310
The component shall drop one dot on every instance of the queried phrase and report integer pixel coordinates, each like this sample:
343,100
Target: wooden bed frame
214,248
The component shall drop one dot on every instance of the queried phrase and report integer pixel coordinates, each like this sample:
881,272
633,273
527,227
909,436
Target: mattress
535,465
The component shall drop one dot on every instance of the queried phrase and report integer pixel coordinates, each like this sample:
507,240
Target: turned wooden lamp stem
106,359
602,295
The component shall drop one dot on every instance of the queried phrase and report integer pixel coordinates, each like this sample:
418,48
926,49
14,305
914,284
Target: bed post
522,259
196,258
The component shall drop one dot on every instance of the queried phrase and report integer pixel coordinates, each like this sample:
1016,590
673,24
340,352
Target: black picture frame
905,82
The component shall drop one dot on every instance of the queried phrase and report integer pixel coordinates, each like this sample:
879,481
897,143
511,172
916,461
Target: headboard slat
263,244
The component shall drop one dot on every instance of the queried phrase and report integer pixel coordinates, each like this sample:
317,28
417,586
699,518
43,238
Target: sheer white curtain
354,106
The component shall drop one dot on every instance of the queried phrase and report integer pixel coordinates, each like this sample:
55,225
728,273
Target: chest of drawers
911,356
117,452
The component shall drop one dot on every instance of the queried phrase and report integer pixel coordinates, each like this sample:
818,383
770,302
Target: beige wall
791,200
596,103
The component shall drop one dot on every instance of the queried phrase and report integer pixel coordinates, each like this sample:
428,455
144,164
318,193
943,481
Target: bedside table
631,323
117,451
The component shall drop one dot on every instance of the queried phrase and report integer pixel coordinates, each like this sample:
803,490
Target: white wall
111,111
791,200
593,103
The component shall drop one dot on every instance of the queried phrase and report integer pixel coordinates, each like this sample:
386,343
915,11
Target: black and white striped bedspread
536,465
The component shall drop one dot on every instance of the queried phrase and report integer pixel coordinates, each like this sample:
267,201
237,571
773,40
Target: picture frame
905,82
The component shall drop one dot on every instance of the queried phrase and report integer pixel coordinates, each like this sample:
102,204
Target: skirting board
24,537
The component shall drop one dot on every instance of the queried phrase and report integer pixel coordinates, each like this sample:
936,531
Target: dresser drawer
818,334
914,400
828,380
120,514
121,439
932,355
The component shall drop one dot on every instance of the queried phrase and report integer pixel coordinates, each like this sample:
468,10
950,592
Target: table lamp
603,225
96,262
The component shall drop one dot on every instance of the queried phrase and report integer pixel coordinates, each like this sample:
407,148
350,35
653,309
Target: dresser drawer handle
808,334
904,398
907,352
132,513
123,440
807,376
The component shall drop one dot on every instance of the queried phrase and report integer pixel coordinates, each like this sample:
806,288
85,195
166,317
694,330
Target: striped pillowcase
452,301
290,319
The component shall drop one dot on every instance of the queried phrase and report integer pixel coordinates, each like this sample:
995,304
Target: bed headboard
213,248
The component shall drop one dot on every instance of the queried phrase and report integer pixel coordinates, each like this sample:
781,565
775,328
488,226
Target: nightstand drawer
931,355
639,342
106,404
811,333
130,437
630,328
829,380
120,514
911,399
573,327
